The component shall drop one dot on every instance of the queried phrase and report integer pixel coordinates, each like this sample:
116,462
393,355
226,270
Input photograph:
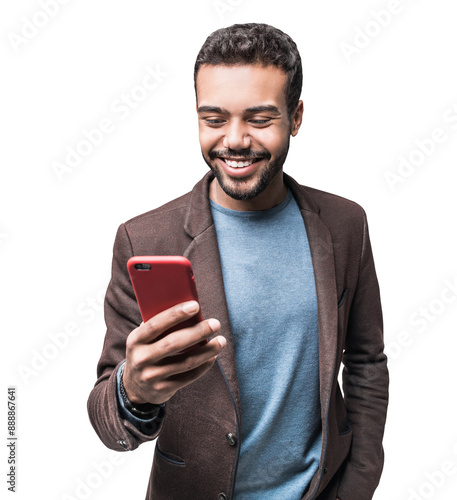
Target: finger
176,342
191,360
158,382
160,323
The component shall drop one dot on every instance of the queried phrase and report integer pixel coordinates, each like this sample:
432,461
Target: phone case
160,282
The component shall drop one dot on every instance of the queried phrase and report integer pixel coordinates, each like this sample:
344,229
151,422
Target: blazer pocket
344,427
343,296
170,457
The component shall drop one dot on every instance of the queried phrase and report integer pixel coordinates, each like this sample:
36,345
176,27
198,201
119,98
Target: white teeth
238,164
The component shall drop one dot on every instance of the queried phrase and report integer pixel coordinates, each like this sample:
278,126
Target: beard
246,189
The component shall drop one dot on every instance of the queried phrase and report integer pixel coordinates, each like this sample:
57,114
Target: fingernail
190,307
222,341
214,324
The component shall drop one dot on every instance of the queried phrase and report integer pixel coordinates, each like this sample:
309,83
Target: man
287,270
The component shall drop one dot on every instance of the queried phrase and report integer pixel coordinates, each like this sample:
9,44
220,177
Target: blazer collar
303,199
199,217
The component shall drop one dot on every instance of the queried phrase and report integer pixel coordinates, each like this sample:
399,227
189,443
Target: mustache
242,153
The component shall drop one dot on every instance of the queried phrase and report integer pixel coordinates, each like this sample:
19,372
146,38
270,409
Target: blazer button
122,444
222,496
231,438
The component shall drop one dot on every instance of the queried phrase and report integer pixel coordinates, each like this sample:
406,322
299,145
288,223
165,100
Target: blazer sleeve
365,382
121,316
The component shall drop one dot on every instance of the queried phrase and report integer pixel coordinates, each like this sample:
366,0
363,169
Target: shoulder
330,204
344,219
331,208
168,213
159,231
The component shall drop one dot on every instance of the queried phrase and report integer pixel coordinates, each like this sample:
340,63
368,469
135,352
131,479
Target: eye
259,122
213,122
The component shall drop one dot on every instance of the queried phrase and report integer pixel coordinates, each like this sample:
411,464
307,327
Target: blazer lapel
321,247
203,253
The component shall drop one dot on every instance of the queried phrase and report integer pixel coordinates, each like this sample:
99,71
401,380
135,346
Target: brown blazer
195,457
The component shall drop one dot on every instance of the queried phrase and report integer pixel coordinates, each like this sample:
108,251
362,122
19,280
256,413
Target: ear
296,119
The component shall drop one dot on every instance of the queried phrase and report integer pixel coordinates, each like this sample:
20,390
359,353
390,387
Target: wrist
144,411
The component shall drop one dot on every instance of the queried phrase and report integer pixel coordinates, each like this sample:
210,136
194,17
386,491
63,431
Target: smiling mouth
239,163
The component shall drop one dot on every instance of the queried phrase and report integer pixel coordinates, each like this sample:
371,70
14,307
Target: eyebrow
211,109
254,109
267,107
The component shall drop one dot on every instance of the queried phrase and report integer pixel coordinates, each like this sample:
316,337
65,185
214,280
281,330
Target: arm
365,382
153,372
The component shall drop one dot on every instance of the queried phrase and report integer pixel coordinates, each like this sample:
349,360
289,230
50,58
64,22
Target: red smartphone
161,282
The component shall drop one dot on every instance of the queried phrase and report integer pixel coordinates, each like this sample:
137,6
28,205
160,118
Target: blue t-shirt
271,297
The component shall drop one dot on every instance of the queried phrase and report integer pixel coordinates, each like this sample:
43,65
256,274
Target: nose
237,136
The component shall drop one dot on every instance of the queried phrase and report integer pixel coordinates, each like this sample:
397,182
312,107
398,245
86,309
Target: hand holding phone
170,349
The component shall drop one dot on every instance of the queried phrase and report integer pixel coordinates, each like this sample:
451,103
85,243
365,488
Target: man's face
244,127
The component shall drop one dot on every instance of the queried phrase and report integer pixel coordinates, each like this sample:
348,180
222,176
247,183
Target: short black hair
255,43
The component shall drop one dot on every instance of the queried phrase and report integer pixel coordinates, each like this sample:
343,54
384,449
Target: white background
362,112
